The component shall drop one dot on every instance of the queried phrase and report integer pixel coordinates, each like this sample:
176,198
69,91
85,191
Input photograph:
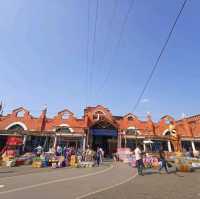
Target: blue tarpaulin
104,132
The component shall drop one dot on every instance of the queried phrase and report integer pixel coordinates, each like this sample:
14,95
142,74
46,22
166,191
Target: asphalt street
117,181
156,186
64,183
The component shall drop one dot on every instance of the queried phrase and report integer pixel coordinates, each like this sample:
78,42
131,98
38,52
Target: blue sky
43,56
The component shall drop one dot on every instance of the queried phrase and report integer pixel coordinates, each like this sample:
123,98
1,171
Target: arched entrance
104,135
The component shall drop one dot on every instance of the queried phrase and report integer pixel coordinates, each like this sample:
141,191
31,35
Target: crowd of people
86,155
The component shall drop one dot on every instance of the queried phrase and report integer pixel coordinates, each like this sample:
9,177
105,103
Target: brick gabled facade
187,127
165,128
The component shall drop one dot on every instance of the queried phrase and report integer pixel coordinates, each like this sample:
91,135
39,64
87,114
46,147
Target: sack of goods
73,161
195,162
37,163
86,164
10,163
54,165
183,165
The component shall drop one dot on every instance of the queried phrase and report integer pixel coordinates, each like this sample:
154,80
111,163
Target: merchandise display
124,154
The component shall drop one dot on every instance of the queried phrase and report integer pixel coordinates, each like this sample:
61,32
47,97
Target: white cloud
145,100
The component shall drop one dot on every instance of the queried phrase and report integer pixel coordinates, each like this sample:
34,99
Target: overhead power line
122,30
93,49
87,51
159,57
108,37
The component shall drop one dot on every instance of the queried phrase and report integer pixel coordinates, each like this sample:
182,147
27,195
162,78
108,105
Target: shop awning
104,132
12,141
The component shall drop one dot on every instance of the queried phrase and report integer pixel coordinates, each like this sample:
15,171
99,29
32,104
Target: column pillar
55,142
88,137
125,141
24,143
119,140
193,146
169,146
84,143
144,146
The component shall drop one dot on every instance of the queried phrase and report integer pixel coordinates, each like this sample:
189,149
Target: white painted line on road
106,188
56,181
35,173
32,173
2,186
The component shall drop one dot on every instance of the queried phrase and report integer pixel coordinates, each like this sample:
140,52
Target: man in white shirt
139,160
59,150
39,150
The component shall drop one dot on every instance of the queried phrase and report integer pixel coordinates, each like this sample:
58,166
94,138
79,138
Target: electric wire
159,57
122,30
93,49
87,51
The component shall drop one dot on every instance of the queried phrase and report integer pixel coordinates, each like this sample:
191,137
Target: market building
98,127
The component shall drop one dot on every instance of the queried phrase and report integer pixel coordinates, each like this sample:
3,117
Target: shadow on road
6,172
151,172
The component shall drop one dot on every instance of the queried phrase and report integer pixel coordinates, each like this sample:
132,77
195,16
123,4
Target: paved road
22,170
116,181
155,186
63,183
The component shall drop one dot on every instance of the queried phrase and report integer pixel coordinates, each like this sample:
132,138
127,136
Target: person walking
139,160
163,162
98,156
102,155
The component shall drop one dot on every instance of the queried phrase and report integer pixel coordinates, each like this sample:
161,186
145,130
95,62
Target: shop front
165,144
77,141
10,138
68,137
190,144
131,141
33,139
130,138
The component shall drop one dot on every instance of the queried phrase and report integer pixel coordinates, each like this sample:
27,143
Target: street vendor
39,150
59,150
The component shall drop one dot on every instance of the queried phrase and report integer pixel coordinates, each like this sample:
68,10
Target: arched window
130,118
63,129
167,121
132,131
65,116
169,132
16,127
20,113
98,115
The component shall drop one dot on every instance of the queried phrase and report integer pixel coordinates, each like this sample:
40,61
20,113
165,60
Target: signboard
104,132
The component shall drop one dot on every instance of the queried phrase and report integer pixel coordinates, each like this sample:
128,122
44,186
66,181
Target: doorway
104,135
